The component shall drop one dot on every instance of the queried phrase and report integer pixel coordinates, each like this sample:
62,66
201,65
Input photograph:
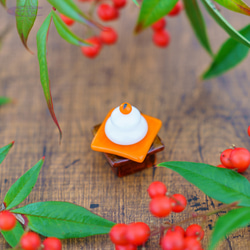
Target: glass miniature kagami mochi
128,139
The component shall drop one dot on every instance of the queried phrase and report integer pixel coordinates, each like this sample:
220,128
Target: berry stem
205,215
2,207
172,197
92,8
228,206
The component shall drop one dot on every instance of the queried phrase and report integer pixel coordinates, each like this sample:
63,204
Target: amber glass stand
122,166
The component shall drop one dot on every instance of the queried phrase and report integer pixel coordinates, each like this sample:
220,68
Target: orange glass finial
125,108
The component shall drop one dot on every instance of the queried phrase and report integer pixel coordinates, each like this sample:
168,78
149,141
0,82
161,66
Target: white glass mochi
126,129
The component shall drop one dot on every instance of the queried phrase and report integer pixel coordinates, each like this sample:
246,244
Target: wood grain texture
200,119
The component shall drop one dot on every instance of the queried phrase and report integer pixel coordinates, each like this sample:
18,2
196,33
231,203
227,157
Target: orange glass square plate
123,166
136,152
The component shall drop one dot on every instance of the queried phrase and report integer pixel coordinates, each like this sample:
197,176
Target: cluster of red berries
162,205
108,12
235,158
176,238
108,36
161,36
32,241
128,237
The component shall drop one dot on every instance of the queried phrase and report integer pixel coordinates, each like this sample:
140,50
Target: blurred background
200,118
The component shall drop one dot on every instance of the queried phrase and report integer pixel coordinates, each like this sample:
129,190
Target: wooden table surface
200,119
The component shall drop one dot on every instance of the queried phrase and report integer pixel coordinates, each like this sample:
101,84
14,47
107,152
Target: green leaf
152,11
4,151
235,5
23,186
4,100
26,12
224,24
221,184
3,2
70,9
196,19
41,38
63,220
66,33
230,54
13,237
228,223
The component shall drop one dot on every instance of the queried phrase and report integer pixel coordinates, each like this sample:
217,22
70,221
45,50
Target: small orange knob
125,108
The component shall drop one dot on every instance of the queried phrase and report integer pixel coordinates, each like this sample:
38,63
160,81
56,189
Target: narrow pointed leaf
4,151
196,19
23,186
41,38
66,33
63,220
224,24
3,2
13,237
26,12
230,54
235,5
228,223
221,184
4,100
70,9
152,11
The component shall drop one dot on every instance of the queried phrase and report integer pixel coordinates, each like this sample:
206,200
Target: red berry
178,229
161,38
248,130
157,188
172,241
30,241
191,243
67,20
7,220
178,202
159,25
177,9
240,158
92,51
195,230
118,234
224,158
119,3
138,233
52,243
108,36
126,247
160,206
107,12
220,166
